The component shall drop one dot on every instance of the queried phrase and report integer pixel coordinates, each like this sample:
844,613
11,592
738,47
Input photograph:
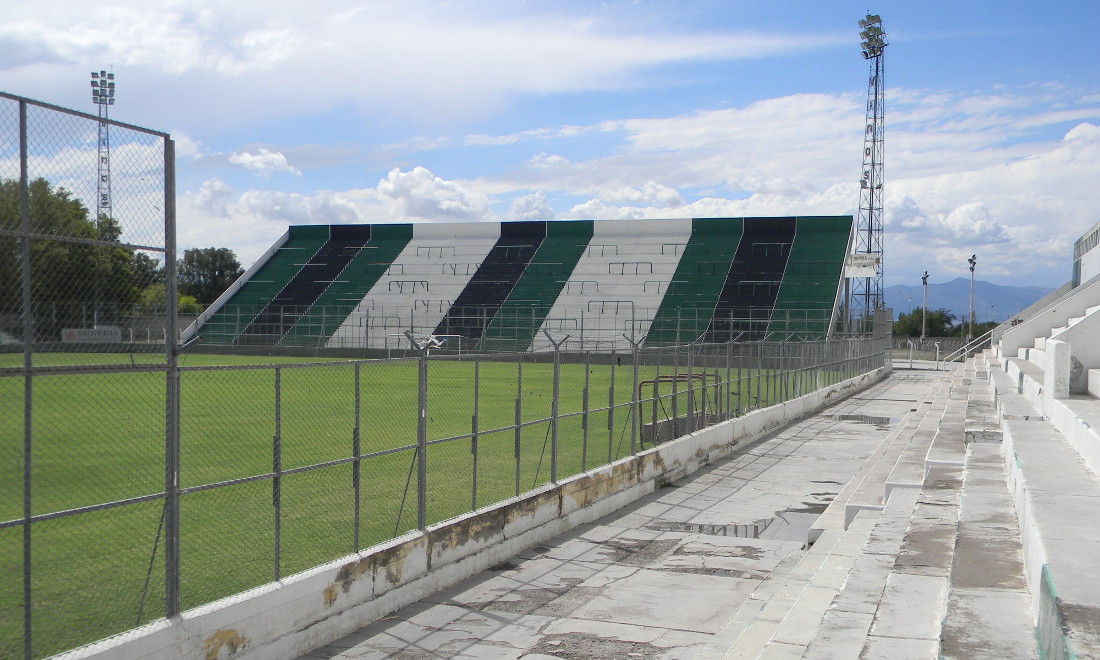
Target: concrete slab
912,607
686,602
669,576
893,648
988,623
840,636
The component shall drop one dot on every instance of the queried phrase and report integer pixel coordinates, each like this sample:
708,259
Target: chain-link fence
599,325
136,483
86,375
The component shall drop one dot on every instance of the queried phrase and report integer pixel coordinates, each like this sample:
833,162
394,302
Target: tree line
937,323
70,275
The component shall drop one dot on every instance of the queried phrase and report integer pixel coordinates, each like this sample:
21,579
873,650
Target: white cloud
531,207
264,162
425,58
420,195
187,147
213,198
650,192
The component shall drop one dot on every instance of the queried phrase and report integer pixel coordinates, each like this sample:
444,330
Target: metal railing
276,468
964,351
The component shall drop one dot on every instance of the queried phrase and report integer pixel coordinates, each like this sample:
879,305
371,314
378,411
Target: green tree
205,273
153,297
73,282
147,270
939,323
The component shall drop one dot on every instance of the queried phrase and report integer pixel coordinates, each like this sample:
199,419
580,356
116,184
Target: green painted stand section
264,285
807,295
530,300
688,304
334,305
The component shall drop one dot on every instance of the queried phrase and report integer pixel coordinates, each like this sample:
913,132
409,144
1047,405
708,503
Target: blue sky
330,111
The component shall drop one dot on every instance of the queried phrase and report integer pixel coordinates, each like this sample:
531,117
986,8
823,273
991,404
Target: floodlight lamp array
874,38
103,88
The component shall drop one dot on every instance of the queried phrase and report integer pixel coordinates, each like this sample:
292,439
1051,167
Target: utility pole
924,306
973,261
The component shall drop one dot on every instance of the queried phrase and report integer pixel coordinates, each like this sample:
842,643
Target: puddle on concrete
790,524
866,419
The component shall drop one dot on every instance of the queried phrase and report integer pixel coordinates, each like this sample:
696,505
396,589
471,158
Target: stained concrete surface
660,578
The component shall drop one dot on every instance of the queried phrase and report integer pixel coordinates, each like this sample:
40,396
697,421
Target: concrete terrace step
845,626
1010,403
896,597
780,617
1057,502
783,614
989,608
899,461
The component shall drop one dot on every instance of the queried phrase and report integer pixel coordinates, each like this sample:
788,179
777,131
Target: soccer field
99,438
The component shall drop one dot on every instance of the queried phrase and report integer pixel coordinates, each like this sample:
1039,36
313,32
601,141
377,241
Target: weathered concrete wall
310,609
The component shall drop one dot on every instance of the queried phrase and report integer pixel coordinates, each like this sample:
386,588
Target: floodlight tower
103,95
867,290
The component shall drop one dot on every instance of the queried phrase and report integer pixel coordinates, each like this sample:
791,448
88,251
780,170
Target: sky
287,112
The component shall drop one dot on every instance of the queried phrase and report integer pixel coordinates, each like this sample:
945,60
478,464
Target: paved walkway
663,577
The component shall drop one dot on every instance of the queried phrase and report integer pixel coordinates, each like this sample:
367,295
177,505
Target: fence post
172,393
675,390
634,394
584,413
356,452
473,431
277,467
519,416
421,427
611,414
28,379
554,405
691,389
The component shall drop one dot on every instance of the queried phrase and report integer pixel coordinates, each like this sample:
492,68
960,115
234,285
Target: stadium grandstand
503,286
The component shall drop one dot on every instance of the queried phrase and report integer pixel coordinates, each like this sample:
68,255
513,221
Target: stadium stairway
1047,393
920,556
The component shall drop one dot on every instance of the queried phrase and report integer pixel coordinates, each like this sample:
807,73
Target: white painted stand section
627,260
430,272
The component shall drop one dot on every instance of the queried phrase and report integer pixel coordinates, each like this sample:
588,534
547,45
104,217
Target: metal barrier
136,482
88,416
281,467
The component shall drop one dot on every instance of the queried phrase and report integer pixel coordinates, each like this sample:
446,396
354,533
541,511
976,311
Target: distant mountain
992,302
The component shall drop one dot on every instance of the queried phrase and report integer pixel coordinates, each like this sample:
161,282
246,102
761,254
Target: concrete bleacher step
989,607
897,463
781,616
894,602
1057,502
859,534
845,627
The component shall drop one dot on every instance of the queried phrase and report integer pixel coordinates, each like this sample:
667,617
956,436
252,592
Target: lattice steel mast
866,293
103,95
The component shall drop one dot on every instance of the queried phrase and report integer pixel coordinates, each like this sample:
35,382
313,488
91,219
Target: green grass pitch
100,438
